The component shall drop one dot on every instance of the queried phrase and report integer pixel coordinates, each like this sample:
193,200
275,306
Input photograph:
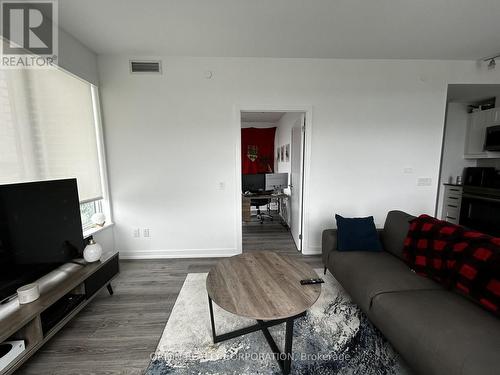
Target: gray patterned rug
334,337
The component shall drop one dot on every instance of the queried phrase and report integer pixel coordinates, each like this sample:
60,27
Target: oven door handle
481,197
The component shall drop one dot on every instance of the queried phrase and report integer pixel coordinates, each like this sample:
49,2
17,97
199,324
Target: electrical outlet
424,181
145,232
136,233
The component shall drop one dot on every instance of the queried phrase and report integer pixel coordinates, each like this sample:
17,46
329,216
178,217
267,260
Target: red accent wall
257,150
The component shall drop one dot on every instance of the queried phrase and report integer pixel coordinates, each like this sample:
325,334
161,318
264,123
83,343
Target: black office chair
258,203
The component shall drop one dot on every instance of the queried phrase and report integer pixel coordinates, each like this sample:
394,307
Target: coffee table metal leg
284,358
214,336
287,361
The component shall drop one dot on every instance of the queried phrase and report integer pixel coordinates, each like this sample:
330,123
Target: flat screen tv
40,229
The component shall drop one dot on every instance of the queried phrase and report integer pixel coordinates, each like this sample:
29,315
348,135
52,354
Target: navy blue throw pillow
357,234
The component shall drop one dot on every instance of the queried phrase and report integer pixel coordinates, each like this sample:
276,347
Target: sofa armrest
328,243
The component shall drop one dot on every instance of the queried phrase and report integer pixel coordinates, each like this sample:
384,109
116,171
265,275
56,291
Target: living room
158,118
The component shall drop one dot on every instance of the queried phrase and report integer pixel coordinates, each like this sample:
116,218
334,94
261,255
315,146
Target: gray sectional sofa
437,331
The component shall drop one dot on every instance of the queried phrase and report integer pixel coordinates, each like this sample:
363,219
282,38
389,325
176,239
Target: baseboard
312,250
181,253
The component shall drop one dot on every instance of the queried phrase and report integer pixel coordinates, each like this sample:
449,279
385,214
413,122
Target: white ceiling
378,29
472,93
271,117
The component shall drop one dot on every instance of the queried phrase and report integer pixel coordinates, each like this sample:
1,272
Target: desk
246,205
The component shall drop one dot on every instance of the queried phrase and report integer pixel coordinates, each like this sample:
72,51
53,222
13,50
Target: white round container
92,252
28,293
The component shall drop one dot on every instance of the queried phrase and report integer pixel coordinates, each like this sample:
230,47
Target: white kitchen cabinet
452,202
476,131
495,116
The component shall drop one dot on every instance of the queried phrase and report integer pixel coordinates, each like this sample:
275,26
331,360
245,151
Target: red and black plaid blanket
465,260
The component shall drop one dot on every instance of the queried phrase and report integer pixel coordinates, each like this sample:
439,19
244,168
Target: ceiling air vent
145,66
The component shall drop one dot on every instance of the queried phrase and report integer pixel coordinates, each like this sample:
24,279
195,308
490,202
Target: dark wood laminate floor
115,335
271,235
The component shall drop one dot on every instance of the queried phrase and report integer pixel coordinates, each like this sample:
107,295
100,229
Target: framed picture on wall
282,153
287,152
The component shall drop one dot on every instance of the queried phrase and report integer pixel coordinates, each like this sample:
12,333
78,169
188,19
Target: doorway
272,154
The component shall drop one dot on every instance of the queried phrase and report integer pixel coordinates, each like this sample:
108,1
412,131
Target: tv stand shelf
24,322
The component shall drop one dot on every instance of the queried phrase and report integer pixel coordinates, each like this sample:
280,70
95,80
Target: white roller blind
47,130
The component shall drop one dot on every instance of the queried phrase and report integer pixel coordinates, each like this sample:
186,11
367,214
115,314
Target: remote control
312,281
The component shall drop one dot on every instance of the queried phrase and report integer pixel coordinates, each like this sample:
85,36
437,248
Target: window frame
105,202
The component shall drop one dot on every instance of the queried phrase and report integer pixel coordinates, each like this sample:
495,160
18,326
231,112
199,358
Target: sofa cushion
365,274
439,332
395,230
354,234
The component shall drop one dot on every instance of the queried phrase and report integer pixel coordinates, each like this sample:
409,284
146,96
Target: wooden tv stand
35,323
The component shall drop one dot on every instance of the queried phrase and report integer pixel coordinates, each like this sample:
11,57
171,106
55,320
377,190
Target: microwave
492,138
484,177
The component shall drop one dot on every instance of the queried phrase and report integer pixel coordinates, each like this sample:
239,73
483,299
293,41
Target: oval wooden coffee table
264,286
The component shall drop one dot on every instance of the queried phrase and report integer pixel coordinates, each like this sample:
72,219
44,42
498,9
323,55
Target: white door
297,155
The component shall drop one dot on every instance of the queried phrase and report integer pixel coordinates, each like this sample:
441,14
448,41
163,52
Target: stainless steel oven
480,209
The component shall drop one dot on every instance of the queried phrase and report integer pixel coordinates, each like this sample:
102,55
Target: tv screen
40,229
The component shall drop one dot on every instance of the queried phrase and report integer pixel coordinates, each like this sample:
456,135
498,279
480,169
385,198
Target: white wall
172,138
106,239
77,58
284,137
453,162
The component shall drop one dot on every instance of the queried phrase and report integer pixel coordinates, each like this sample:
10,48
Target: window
87,210
49,129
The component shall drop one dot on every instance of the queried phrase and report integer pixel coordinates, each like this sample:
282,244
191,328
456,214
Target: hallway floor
271,235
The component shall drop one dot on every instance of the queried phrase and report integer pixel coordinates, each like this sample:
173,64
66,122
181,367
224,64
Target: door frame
308,111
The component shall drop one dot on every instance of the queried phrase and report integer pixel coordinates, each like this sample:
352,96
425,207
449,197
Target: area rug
335,337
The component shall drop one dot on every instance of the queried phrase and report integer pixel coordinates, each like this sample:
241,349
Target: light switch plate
408,170
424,181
